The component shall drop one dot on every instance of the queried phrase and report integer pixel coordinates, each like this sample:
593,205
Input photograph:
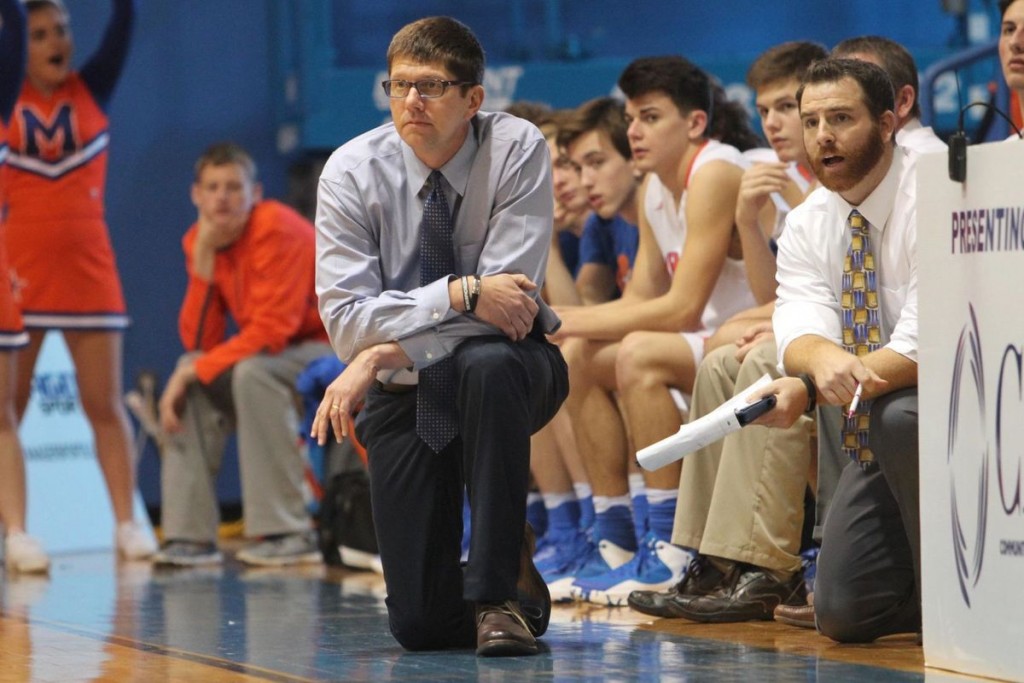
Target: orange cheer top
57,241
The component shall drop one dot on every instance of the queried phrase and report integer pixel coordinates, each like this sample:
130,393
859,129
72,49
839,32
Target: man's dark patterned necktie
436,419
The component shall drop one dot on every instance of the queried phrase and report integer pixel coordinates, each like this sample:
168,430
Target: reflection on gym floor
96,619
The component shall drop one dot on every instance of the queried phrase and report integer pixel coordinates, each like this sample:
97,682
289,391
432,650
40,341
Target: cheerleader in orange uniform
57,238
22,553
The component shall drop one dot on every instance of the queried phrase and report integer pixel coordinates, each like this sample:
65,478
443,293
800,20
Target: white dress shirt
369,209
812,250
919,139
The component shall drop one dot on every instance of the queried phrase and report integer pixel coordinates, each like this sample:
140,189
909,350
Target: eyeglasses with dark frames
427,88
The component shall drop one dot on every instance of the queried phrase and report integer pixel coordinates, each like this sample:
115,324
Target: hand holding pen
856,400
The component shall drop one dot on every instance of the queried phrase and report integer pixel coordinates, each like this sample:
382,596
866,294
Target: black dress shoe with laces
748,593
531,590
701,577
502,631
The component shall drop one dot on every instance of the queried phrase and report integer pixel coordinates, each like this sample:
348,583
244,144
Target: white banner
971,267
68,506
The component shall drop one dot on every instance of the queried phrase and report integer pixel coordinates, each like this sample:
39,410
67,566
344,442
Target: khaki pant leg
756,512
714,385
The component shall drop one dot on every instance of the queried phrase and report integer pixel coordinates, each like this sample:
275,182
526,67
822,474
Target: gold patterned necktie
862,332
436,419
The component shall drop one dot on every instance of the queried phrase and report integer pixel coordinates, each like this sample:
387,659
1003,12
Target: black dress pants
506,391
869,570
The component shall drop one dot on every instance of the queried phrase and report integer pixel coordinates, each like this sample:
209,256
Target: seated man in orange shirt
252,259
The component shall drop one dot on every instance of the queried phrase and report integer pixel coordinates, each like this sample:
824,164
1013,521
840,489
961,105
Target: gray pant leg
269,452
189,466
831,463
893,438
868,569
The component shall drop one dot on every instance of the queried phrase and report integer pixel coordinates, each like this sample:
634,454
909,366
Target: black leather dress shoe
748,594
501,631
532,592
701,578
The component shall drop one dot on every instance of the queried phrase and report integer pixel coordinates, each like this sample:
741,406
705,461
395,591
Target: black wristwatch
812,393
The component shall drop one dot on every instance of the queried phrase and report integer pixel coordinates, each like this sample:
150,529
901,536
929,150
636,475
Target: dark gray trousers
869,569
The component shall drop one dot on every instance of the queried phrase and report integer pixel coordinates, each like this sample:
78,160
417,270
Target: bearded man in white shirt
868,577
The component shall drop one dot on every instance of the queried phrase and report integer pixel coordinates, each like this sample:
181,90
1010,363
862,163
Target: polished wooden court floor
95,619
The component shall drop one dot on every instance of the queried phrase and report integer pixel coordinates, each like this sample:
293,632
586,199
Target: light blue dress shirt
369,209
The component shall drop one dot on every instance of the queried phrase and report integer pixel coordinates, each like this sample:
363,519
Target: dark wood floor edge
142,646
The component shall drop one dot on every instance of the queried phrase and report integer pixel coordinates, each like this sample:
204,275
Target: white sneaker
657,565
360,559
133,543
598,559
22,553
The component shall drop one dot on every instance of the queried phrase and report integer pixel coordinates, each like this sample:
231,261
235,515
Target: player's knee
634,364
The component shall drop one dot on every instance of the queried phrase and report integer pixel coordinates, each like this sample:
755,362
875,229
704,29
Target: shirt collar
878,205
909,127
456,171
